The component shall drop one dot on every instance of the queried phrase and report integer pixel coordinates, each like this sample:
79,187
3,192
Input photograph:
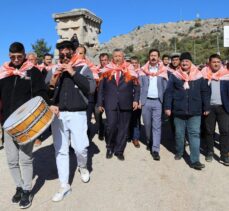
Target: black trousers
219,115
117,128
135,124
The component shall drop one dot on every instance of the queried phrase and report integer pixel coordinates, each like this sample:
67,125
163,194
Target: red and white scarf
6,70
46,67
139,71
93,68
75,61
162,70
193,75
221,74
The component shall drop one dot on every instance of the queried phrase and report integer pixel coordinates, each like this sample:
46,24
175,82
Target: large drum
29,120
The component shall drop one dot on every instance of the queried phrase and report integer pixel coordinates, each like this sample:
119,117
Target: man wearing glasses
19,80
75,82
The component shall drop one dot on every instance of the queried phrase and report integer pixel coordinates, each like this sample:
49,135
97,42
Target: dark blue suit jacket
111,96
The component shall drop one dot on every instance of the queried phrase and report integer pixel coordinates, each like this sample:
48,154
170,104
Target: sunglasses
19,57
63,55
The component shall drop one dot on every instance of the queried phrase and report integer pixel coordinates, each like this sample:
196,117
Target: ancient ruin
82,22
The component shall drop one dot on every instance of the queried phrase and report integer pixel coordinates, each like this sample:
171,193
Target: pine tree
40,48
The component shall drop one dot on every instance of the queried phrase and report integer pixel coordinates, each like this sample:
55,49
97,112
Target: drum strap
12,96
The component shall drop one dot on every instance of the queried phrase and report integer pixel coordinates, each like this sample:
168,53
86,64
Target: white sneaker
62,192
84,174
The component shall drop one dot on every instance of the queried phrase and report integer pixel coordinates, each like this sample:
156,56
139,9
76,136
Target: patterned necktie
117,77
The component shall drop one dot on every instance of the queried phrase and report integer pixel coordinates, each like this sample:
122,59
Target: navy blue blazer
192,101
111,96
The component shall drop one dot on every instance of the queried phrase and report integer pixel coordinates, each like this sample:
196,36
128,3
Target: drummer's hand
68,68
54,109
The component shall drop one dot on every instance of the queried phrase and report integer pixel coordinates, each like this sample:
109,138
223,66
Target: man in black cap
175,62
187,96
75,82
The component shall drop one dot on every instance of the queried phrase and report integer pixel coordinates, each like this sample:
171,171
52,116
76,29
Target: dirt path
137,184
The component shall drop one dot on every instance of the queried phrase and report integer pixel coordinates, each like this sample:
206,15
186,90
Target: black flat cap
65,44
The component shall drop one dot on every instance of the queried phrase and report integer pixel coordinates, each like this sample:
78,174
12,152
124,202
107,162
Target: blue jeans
192,123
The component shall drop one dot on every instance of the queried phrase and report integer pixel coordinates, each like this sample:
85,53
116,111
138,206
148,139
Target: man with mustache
187,96
153,85
218,80
75,82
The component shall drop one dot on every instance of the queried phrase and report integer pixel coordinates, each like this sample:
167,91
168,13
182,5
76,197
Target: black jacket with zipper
15,91
71,92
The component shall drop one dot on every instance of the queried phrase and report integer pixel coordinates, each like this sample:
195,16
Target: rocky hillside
143,37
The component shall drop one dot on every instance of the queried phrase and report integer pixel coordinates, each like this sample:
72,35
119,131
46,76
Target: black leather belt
152,98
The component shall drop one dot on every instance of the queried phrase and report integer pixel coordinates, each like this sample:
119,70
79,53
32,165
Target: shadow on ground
44,164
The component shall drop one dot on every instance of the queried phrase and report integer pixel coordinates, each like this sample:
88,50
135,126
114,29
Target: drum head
22,112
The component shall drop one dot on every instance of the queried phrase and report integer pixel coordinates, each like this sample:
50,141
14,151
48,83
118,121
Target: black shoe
17,196
101,137
26,200
109,154
177,156
209,157
225,160
148,146
197,165
156,156
128,139
120,156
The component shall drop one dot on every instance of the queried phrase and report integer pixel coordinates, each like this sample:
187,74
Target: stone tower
82,22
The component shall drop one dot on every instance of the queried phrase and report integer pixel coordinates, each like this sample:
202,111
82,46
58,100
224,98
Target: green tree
40,48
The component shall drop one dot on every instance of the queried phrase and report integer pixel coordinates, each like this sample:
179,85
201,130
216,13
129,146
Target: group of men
75,88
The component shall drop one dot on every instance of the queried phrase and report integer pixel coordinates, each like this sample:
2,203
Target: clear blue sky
29,20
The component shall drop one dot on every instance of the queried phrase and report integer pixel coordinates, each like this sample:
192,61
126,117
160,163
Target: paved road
137,184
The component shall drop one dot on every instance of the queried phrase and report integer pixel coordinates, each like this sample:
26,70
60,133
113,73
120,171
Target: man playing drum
19,82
